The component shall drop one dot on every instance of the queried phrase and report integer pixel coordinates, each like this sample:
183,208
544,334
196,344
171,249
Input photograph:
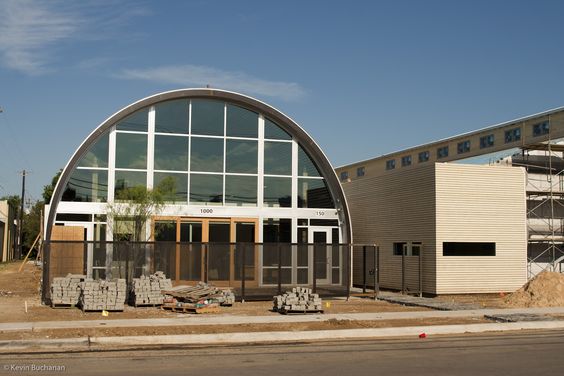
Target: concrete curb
267,319
81,343
99,343
315,335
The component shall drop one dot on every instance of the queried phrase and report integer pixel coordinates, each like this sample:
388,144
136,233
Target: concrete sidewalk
272,319
132,342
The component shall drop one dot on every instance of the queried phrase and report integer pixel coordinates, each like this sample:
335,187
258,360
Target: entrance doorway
212,249
322,239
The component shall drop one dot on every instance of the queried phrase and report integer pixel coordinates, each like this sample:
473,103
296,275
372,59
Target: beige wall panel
481,204
398,207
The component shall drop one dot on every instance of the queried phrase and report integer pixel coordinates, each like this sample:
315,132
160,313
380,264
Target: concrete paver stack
65,291
147,291
103,295
298,300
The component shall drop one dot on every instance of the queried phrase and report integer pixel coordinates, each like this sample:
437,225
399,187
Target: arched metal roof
281,119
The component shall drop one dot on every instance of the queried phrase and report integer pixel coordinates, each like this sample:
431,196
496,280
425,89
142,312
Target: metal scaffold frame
545,207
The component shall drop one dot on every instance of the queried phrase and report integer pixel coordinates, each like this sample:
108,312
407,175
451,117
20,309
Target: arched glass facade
214,153
235,170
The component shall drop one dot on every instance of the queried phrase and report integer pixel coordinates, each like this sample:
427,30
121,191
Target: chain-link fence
251,270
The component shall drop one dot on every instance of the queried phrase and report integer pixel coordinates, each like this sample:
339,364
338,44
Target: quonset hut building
238,171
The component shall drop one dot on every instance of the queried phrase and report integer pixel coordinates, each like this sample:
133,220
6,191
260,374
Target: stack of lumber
65,291
147,291
298,300
103,295
199,296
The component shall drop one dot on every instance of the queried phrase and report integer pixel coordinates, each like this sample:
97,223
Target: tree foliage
133,207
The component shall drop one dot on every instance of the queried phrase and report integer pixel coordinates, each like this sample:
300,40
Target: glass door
322,250
219,259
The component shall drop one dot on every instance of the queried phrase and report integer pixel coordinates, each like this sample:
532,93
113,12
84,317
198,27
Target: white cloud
194,75
31,31
27,29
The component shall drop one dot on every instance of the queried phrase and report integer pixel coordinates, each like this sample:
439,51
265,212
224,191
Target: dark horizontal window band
468,249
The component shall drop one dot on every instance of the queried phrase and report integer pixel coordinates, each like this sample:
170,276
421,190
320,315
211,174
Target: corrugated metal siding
397,207
481,204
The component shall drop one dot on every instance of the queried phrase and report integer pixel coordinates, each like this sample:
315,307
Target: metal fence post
348,269
45,292
243,275
421,270
403,250
206,262
364,269
376,262
279,270
314,268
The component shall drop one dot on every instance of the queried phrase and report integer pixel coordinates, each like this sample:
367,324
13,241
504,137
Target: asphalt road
501,354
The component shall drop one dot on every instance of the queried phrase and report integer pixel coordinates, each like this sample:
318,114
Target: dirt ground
19,288
331,324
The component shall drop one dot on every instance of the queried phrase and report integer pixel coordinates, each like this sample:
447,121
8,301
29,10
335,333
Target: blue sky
364,78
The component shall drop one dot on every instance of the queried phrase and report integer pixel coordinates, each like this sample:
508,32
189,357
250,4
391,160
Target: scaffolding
544,163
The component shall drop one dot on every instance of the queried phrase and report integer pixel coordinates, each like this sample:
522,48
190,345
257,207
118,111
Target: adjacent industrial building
446,225
7,231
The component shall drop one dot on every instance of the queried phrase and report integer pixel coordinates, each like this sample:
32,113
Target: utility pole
20,222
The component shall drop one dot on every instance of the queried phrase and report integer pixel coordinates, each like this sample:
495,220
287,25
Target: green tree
32,223
50,188
134,206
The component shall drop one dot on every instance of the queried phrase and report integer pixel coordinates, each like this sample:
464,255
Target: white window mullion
189,149
111,163
224,147
294,174
260,182
151,148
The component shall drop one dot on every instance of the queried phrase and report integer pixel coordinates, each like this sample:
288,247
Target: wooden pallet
300,312
146,305
62,305
190,309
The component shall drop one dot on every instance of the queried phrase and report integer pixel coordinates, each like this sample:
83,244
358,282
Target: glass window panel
218,260
97,154
165,231
191,232
206,154
313,193
306,167
191,261
87,186
129,179
274,132
277,230
241,122
206,189
174,187
277,192
171,153
131,150
207,117
241,190
302,276
241,156
278,158
172,117
270,276
135,122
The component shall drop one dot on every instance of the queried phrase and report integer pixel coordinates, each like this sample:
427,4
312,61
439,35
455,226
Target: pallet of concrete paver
300,300
146,291
65,291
